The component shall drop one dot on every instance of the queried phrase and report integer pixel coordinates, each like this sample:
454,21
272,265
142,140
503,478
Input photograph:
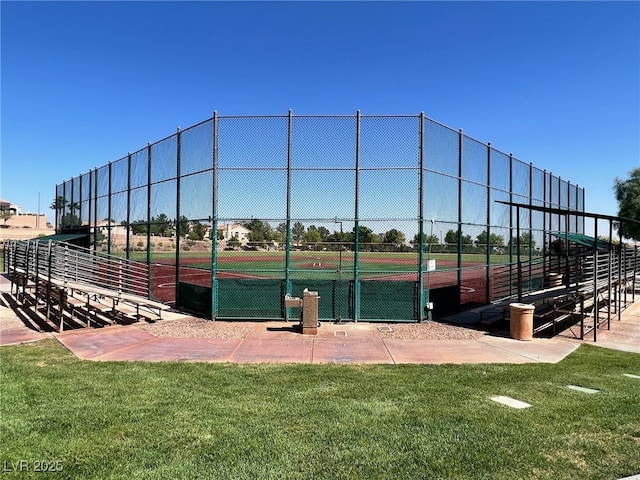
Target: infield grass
133,420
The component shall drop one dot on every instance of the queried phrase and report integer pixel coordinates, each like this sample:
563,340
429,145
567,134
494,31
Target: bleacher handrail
68,263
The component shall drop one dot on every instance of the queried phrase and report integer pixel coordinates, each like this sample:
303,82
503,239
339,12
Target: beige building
16,225
234,230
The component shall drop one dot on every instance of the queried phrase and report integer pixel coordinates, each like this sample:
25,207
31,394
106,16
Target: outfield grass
131,420
275,260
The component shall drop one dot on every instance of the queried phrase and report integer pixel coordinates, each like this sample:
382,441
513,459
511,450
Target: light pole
339,316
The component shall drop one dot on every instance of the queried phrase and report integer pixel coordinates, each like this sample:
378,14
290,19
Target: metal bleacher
67,263
605,287
594,290
66,282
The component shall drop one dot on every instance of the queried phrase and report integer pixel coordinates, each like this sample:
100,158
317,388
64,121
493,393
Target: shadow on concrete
26,313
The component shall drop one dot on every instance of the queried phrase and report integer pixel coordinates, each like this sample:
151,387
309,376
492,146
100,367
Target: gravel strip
431,331
192,327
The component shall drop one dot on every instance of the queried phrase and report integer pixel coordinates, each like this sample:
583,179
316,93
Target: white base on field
510,402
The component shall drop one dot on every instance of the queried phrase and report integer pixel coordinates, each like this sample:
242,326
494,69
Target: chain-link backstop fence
387,217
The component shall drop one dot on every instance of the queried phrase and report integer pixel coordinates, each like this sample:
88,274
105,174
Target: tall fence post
76,212
487,282
546,238
128,232
55,211
422,301
179,225
90,201
214,224
149,272
94,193
109,215
530,243
287,261
459,262
80,208
356,253
511,225
619,276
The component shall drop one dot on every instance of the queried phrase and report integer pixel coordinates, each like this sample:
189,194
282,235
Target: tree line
263,233
627,193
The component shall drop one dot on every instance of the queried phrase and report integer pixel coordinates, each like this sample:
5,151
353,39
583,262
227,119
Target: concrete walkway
278,342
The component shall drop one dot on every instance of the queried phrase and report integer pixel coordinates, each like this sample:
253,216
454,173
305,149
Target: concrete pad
88,344
341,350
15,336
449,351
621,346
14,330
544,350
624,335
176,350
510,402
633,309
275,330
349,342
272,330
353,331
274,350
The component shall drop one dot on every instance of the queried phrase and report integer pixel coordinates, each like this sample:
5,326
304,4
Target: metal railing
71,264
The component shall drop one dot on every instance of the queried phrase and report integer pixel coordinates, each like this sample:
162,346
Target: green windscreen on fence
244,298
334,297
249,298
194,298
380,300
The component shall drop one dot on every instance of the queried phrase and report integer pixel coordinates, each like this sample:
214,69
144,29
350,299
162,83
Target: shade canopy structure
64,237
585,240
569,212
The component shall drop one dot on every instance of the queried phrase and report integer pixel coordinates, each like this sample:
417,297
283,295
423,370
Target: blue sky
83,83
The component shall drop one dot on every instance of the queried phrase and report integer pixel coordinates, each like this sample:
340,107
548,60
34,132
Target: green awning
586,240
64,237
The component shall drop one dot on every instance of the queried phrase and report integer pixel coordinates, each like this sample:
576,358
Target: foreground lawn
187,421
